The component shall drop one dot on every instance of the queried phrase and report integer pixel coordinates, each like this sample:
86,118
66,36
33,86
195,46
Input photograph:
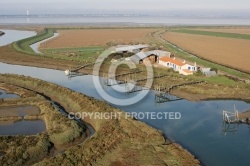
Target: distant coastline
125,20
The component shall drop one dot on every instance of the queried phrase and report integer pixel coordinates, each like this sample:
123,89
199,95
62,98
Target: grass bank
24,44
60,130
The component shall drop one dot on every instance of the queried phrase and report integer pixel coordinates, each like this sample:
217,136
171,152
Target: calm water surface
11,36
35,46
23,127
4,95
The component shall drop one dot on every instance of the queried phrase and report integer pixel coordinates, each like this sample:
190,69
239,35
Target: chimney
174,58
194,63
184,61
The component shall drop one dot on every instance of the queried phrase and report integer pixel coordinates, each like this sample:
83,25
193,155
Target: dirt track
96,37
226,51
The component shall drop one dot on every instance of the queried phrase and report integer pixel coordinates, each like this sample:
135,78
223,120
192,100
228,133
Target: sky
233,7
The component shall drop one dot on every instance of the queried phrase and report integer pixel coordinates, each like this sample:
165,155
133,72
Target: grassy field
213,33
229,52
78,54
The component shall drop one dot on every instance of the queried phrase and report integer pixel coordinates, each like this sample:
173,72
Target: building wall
189,67
170,65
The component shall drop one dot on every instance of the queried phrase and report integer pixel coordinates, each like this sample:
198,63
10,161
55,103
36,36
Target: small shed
207,72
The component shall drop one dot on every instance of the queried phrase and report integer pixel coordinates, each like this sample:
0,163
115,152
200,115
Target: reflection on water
22,127
230,128
4,95
199,129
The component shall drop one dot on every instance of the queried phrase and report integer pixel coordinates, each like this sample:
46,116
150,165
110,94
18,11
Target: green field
215,34
79,54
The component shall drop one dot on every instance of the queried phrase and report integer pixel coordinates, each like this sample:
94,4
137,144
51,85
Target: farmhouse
181,67
149,56
130,48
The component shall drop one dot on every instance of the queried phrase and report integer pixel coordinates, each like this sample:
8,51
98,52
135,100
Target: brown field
96,37
228,30
226,51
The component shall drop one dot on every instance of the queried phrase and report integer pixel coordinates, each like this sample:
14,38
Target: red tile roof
176,62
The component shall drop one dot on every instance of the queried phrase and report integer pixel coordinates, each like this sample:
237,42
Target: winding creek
199,129
35,46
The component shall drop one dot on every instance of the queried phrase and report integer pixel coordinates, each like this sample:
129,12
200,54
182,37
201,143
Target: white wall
186,66
171,65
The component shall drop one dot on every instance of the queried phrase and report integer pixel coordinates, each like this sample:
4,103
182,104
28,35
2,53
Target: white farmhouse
181,67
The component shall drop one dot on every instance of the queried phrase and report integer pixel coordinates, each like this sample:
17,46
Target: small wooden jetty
231,117
165,97
129,73
75,69
132,88
169,89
